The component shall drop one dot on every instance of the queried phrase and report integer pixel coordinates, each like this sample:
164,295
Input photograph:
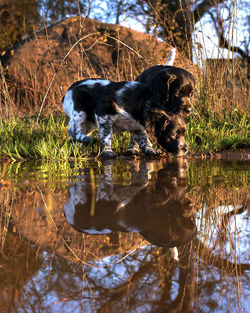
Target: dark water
125,236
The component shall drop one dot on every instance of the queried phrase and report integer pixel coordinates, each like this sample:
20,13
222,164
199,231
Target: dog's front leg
145,145
105,125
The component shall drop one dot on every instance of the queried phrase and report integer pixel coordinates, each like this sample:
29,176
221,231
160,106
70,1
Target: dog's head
172,86
166,130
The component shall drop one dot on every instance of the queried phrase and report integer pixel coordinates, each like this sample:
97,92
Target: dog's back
172,86
153,73
85,95
103,97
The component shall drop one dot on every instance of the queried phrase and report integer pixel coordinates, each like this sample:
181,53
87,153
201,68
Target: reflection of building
158,207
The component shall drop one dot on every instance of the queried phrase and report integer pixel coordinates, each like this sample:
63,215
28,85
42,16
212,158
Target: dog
172,86
122,106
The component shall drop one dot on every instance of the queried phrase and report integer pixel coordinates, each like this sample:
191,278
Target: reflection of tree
184,300
18,263
219,251
129,289
210,255
222,263
148,285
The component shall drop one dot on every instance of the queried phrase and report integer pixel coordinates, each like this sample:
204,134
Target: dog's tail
171,57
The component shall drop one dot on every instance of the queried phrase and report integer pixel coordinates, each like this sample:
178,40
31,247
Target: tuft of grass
210,133
23,139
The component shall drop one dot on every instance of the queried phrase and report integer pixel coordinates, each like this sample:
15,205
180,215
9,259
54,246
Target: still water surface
125,236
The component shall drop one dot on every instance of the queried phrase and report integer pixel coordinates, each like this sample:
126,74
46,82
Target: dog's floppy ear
156,120
161,85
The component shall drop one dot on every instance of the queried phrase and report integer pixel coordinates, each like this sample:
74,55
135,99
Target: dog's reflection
154,203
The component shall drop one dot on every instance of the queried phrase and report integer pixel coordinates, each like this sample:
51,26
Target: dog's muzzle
182,149
186,107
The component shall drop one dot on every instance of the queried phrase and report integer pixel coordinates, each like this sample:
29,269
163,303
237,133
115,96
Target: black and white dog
172,86
122,106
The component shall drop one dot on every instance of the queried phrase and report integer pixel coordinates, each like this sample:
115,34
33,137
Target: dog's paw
132,151
151,152
85,140
108,154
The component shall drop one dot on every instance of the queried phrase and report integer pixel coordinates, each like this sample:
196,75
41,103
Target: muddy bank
239,155
242,154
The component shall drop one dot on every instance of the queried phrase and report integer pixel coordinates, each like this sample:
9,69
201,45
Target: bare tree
175,20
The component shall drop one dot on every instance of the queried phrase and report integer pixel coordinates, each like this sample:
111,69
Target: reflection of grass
213,173
5,215
217,183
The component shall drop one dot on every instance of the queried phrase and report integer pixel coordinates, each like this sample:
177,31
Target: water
125,236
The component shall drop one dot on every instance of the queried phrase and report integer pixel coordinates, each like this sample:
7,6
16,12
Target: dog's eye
186,92
173,135
182,92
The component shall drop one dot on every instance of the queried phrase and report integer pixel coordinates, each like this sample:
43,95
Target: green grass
210,133
48,140
23,139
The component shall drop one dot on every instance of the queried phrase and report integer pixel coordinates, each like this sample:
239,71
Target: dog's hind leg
105,126
79,127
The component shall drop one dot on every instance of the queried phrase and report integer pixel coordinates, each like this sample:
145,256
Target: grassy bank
48,139
211,133
32,125
23,139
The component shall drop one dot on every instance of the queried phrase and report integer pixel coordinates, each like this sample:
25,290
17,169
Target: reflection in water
158,208
118,208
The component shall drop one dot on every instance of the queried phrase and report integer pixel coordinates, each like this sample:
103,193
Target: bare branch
223,42
203,8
